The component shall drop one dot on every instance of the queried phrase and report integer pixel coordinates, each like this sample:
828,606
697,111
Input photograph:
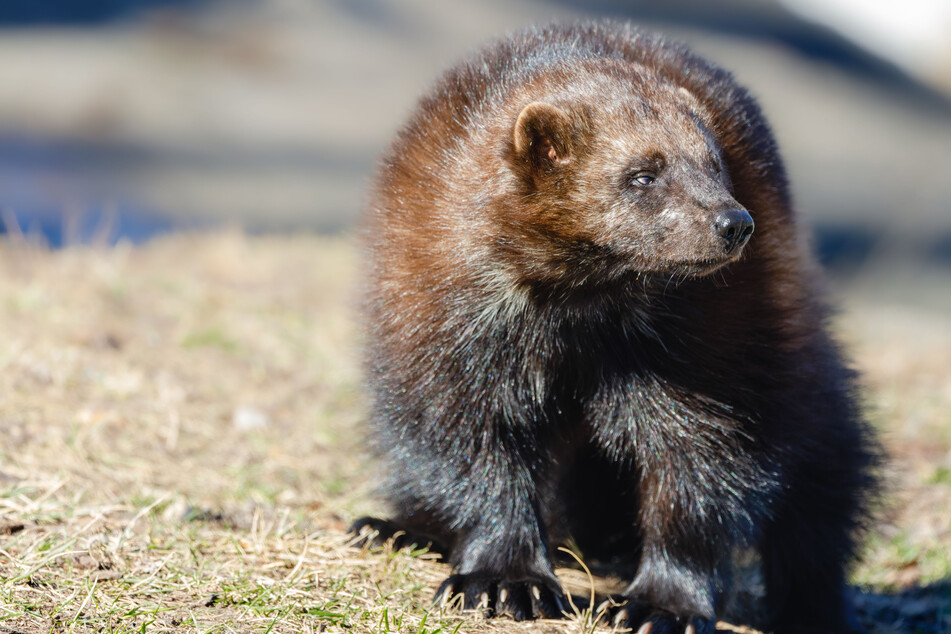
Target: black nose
735,226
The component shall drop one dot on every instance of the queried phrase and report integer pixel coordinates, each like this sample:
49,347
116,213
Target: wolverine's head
630,172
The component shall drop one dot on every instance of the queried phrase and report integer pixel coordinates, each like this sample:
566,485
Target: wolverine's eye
643,178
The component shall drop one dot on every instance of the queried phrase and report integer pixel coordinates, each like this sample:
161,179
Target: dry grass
179,449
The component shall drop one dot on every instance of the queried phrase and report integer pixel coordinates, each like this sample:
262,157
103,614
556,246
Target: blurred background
123,119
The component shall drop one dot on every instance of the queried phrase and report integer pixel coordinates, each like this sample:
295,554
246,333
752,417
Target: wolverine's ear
543,135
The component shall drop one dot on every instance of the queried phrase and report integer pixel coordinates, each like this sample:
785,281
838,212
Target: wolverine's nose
735,226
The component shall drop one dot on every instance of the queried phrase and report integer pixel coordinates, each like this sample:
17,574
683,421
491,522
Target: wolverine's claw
620,617
446,595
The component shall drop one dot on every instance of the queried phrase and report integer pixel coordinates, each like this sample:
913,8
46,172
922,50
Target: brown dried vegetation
178,448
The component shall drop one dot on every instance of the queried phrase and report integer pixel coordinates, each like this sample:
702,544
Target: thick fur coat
575,334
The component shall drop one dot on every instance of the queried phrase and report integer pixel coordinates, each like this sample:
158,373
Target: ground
180,448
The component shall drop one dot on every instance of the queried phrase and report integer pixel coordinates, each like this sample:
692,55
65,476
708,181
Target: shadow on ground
925,609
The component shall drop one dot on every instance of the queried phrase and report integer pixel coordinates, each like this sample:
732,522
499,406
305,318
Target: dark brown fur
560,347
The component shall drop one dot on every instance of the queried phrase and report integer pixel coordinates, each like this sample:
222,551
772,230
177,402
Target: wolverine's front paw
521,599
643,618
372,532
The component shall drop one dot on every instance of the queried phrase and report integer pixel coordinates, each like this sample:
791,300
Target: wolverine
590,319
